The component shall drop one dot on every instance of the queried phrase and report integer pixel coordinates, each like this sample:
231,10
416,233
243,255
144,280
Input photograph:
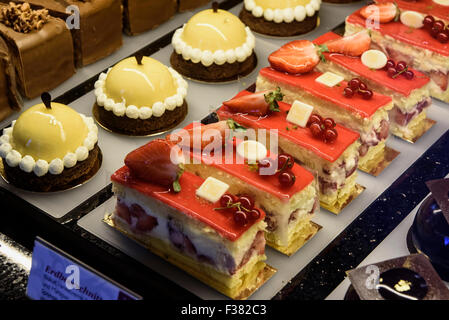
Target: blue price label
55,275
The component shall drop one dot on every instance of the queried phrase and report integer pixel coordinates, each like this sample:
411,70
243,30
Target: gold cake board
298,242
358,189
419,132
376,166
264,271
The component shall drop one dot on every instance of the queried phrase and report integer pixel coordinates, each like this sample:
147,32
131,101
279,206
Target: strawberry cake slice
184,219
283,189
409,90
404,34
366,112
325,148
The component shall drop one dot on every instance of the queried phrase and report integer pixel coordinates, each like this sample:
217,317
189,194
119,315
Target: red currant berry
401,66
391,72
438,25
240,218
390,64
254,214
443,37
246,202
329,123
287,179
434,32
368,94
330,135
354,83
315,128
226,200
428,22
266,163
348,92
314,118
409,74
285,161
363,86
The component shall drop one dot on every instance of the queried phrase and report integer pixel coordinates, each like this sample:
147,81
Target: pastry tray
74,218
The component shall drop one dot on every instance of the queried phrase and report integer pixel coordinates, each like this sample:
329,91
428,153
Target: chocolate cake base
139,127
70,177
185,5
213,73
283,29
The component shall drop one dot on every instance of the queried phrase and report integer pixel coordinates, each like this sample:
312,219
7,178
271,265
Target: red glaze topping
365,108
354,64
428,7
187,202
415,37
300,136
266,183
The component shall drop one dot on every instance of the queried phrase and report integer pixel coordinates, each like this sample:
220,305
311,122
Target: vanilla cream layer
281,210
205,239
404,103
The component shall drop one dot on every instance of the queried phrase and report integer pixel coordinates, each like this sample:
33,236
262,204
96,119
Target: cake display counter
259,150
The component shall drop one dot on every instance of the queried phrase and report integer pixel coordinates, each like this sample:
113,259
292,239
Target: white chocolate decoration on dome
214,37
280,11
140,90
45,140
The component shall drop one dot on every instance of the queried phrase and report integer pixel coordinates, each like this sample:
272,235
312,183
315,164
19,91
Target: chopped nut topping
21,18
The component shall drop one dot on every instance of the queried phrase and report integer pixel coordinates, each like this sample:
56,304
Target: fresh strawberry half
257,104
295,57
353,45
152,162
211,135
382,12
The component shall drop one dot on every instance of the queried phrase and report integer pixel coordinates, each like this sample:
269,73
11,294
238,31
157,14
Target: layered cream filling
277,12
275,208
40,167
206,240
123,108
405,103
219,56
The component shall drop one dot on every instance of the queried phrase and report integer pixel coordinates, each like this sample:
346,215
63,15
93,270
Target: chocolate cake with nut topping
41,47
100,25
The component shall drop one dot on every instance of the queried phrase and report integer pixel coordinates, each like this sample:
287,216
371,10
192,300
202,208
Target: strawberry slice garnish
382,12
211,135
353,45
299,56
256,104
152,162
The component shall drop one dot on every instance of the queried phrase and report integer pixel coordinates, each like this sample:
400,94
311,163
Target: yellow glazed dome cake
213,46
140,96
50,147
281,17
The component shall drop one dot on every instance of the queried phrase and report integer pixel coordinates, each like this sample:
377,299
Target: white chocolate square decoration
299,113
212,189
329,79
